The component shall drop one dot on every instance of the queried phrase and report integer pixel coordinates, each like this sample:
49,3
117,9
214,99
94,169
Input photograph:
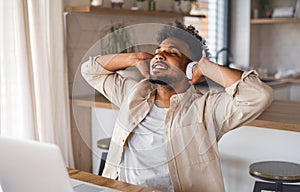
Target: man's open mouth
159,66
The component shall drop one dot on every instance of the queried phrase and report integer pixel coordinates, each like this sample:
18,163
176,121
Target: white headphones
190,67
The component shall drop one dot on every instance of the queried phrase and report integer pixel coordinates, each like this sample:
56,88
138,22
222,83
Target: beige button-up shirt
194,123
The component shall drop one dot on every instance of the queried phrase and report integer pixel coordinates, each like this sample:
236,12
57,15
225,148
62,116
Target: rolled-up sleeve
241,102
110,84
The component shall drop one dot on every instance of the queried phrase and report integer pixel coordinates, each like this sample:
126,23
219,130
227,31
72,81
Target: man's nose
160,56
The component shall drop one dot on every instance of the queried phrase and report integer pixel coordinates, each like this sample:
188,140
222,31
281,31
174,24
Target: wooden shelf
275,20
91,9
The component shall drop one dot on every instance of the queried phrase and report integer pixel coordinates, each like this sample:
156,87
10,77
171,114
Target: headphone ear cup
189,69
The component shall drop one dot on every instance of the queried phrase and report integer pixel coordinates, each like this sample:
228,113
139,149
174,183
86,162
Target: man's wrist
204,65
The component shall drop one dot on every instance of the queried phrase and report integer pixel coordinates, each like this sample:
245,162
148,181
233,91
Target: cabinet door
282,93
103,121
295,92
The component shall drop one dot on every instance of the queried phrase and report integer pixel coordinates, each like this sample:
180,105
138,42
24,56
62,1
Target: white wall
241,147
240,31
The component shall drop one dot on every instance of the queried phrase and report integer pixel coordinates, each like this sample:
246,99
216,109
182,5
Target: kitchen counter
281,115
285,81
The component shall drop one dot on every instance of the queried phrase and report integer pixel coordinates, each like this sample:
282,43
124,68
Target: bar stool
276,173
103,144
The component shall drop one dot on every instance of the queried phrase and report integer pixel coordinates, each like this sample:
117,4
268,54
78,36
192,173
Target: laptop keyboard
81,186
87,188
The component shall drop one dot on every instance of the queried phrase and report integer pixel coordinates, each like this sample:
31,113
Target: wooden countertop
286,81
281,115
103,181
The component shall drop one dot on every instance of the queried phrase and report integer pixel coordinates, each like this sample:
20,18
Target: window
214,27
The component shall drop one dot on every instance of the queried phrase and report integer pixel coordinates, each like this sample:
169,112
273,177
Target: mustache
161,62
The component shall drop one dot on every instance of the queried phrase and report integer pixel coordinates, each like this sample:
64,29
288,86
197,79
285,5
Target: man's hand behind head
143,63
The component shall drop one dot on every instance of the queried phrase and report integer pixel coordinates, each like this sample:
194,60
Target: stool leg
102,163
278,186
258,186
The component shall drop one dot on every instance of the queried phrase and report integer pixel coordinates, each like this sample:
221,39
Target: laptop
31,166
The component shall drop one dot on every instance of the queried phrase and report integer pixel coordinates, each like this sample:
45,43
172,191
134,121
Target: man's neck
165,92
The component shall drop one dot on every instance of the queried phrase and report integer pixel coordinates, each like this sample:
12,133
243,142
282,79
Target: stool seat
103,143
278,175
276,171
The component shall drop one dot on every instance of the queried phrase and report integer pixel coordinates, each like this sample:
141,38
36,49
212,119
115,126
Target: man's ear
190,68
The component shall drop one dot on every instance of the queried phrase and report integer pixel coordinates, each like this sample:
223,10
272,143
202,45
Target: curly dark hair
187,34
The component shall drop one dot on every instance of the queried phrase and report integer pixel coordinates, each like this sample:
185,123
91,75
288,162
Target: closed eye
173,53
169,51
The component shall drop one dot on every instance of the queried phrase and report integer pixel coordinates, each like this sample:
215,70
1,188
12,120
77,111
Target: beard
159,82
163,80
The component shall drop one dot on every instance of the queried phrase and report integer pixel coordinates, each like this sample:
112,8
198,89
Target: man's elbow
83,69
88,69
264,98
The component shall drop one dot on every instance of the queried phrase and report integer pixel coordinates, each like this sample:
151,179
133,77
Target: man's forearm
115,62
222,75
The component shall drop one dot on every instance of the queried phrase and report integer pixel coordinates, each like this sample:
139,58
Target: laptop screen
31,166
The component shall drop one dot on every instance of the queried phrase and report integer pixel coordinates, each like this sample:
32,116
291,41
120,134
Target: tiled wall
83,30
275,47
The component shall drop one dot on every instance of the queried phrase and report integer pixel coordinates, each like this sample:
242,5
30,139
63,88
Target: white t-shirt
145,161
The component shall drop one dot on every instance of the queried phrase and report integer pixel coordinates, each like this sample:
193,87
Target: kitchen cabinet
286,92
282,92
103,121
294,92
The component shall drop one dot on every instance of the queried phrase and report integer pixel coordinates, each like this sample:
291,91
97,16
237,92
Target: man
166,131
